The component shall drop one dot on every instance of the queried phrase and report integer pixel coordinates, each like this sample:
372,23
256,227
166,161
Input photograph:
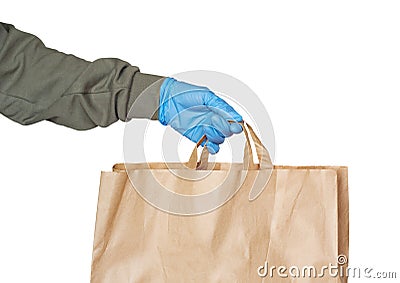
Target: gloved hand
195,111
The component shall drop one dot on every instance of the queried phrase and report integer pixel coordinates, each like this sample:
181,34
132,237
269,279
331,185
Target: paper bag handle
264,159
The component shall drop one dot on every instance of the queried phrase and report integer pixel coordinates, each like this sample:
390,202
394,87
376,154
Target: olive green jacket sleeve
38,83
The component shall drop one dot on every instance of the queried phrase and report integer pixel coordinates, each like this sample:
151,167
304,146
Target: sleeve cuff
144,98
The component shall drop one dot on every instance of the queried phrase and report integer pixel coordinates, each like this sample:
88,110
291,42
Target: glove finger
221,125
212,147
219,106
236,128
214,135
195,134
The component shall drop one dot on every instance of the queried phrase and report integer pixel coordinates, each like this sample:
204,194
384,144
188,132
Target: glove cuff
164,100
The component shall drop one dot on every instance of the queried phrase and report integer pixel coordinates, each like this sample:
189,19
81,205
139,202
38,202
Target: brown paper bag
298,222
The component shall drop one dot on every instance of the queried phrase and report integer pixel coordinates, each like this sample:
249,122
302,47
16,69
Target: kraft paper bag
299,222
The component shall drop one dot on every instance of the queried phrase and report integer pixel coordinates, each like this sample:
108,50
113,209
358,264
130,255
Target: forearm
38,83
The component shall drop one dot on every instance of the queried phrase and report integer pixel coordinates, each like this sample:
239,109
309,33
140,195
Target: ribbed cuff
145,92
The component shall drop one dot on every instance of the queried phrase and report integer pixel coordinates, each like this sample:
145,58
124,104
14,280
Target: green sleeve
38,83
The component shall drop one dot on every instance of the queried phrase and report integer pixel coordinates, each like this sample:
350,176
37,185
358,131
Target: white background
327,71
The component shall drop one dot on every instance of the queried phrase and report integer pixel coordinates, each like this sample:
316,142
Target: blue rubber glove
195,111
